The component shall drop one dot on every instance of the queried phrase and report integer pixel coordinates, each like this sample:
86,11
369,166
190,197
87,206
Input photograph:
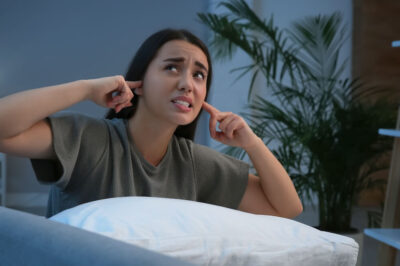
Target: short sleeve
79,142
221,179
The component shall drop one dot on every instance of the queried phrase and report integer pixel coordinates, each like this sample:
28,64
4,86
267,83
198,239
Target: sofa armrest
27,239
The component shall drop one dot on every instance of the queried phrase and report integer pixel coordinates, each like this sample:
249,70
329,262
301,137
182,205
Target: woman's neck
151,139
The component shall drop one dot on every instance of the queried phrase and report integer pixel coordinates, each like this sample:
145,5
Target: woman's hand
112,92
234,130
272,193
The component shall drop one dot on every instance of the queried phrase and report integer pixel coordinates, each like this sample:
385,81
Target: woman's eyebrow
181,59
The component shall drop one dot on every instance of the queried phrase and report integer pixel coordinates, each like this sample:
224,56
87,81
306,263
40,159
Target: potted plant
324,125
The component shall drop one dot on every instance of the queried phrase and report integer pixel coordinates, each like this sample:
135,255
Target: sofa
27,239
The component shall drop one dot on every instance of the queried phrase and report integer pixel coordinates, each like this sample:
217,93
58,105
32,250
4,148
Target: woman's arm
24,130
274,182
272,192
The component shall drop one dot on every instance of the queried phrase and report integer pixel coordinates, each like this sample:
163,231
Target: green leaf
320,124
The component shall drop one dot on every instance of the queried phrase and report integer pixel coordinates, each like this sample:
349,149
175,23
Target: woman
147,149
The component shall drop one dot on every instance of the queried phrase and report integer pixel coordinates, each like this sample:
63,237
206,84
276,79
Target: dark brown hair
141,62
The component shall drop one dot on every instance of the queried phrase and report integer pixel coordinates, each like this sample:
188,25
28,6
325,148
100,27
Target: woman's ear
138,91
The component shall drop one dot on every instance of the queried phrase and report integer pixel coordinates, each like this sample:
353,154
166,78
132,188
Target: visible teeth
182,103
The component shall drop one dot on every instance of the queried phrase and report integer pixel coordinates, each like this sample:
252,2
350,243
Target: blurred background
48,42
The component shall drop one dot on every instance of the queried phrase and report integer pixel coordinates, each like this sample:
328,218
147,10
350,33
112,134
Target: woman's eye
199,75
171,67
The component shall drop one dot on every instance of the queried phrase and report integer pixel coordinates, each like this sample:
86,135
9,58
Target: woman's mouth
182,106
184,103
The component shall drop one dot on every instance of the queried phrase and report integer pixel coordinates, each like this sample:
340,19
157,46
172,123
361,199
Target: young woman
144,146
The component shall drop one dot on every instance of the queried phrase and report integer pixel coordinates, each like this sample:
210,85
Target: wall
48,42
376,26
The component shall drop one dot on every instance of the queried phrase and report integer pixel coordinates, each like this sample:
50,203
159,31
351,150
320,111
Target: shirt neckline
147,165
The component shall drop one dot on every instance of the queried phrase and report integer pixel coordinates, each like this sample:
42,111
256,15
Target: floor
368,255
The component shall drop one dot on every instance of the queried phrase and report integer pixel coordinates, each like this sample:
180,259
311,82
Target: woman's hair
141,62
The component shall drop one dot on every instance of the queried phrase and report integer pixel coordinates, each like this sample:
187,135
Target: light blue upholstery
27,239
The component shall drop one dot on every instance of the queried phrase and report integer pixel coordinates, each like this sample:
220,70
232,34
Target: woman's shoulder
206,154
82,119
79,124
74,116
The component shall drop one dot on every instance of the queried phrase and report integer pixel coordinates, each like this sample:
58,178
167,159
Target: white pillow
206,234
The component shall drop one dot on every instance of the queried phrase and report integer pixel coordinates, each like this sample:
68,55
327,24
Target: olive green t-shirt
97,159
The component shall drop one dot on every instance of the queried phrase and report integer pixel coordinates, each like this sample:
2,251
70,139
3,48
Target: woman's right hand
113,92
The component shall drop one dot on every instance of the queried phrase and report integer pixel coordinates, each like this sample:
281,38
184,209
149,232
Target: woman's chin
184,121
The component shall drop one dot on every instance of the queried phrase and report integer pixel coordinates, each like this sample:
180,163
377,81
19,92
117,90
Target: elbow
293,212
5,146
2,146
297,210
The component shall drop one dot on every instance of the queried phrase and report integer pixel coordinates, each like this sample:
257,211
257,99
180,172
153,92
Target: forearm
275,182
22,110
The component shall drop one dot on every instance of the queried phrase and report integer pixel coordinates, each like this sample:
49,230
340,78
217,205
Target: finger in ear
138,91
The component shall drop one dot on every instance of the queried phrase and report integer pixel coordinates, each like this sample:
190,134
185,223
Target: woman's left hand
234,131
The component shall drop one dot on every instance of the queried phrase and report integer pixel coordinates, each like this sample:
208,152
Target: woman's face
174,86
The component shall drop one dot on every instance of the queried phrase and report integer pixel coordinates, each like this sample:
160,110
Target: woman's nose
186,82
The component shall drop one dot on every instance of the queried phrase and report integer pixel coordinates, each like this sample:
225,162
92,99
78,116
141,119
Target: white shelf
389,132
396,44
390,237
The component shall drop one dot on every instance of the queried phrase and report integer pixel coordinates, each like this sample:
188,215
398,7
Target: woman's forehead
182,49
